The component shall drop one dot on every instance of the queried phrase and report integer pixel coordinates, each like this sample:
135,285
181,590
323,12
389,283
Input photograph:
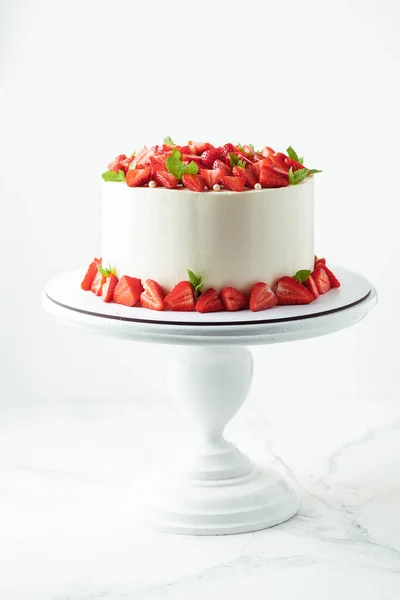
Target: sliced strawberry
138,177
199,147
209,302
98,282
184,149
218,164
181,298
211,176
290,162
128,290
188,158
90,275
247,173
257,166
164,178
262,297
232,299
335,283
267,151
235,184
142,158
117,163
108,288
257,157
291,291
310,285
226,150
208,157
153,296
321,280
319,262
159,161
271,179
245,158
194,182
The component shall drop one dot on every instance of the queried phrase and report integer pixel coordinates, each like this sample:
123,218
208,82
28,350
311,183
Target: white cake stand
213,488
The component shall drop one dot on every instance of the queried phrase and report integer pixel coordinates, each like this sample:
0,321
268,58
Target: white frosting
230,238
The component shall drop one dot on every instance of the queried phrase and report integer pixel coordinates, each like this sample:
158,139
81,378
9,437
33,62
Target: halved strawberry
180,298
153,296
208,157
199,147
164,178
321,280
218,164
235,184
291,291
335,283
128,290
142,158
209,302
310,285
226,149
247,173
98,282
138,177
108,288
267,151
262,297
188,158
271,179
319,262
194,182
90,275
158,160
257,166
211,176
290,162
232,299
117,164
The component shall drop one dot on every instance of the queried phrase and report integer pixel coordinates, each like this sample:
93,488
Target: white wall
83,81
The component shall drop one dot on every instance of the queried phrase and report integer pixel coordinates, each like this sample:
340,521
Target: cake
206,228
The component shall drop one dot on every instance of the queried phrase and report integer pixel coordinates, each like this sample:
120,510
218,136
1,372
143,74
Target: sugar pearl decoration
152,184
257,186
216,187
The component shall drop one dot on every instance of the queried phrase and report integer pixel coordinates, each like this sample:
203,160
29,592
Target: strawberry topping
181,298
209,302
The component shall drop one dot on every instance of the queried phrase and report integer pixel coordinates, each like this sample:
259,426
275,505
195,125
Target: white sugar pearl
257,186
216,187
152,184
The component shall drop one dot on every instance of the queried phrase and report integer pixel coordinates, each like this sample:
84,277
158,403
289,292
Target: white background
84,81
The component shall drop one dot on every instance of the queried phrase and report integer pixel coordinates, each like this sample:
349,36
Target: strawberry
290,162
245,158
321,280
218,164
262,297
211,176
235,184
180,298
138,177
90,275
116,164
98,282
142,158
233,300
291,291
98,261
257,156
164,178
269,178
125,164
153,296
247,173
311,286
188,158
108,288
184,149
248,149
128,290
226,149
335,283
194,182
159,161
199,147
208,157
266,151
264,162
319,262
209,302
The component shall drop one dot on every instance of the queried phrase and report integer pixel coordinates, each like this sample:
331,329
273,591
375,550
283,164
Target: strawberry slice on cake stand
212,488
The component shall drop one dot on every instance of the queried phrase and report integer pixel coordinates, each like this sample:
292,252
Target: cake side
230,238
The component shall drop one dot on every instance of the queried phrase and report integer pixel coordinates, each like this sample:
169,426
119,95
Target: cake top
200,166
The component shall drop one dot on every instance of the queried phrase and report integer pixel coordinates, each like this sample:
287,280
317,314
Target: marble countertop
64,535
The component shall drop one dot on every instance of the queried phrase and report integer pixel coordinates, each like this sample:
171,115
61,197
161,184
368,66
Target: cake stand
213,488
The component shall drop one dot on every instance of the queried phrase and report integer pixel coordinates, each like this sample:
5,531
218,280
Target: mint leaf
292,154
175,166
196,282
241,149
168,140
191,168
312,171
176,154
302,275
236,161
301,160
133,154
107,272
298,176
252,147
113,176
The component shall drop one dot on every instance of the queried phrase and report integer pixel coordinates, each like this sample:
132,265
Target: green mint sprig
236,161
312,171
177,167
113,176
293,155
196,282
107,272
168,140
302,275
298,176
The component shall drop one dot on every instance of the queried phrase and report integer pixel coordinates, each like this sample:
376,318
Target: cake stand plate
213,488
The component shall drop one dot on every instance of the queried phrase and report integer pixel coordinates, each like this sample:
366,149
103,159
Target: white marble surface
66,469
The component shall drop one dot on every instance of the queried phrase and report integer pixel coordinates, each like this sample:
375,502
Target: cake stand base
213,488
